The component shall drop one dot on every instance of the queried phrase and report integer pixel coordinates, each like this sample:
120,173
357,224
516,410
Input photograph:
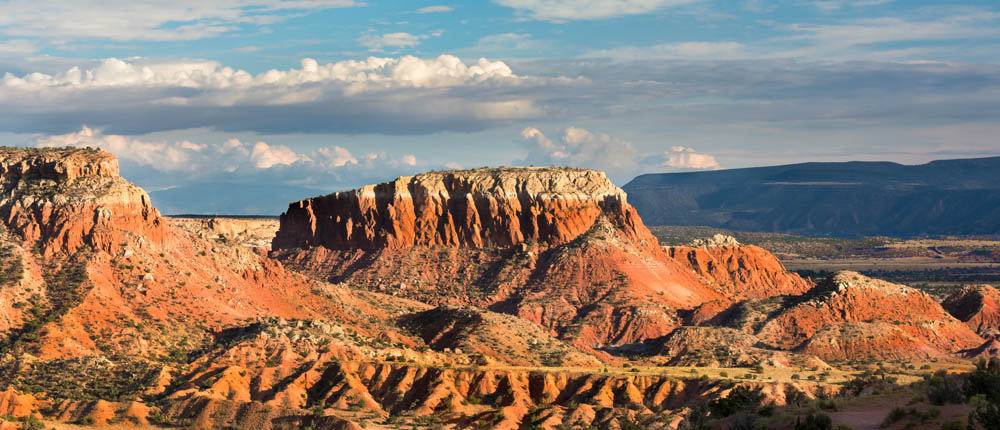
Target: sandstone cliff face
63,200
472,208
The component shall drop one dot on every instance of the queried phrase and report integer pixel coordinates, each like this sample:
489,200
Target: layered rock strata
471,208
62,200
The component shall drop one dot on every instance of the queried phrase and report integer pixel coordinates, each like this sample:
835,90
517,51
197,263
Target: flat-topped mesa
62,199
58,164
477,208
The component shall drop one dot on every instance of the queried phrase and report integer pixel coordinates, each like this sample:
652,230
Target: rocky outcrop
863,340
740,272
978,306
714,347
471,208
491,337
718,239
65,199
909,319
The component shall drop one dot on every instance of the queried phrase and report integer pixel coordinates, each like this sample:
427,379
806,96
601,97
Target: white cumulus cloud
381,94
680,157
444,70
618,157
580,148
337,156
265,156
231,155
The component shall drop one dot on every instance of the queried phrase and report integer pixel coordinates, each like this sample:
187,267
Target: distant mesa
842,199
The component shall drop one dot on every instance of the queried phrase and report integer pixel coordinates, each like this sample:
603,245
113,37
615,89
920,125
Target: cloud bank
233,160
581,148
387,95
578,147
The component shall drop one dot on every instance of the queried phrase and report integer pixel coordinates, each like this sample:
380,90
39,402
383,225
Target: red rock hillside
857,316
90,266
978,306
741,271
558,246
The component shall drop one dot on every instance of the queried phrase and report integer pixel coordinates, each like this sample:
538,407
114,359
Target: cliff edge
479,208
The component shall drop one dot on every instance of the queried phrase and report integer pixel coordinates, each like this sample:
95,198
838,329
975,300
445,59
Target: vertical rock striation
471,208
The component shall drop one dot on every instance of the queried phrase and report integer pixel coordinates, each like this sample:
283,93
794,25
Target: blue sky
320,95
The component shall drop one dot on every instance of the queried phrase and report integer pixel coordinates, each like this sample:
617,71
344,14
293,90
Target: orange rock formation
471,208
64,201
978,307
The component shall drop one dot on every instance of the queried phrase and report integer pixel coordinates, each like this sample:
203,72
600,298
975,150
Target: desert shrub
827,405
932,413
985,380
27,423
739,399
814,421
894,416
942,389
744,421
984,384
953,425
88,378
697,418
987,415
65,288
626,423
874,382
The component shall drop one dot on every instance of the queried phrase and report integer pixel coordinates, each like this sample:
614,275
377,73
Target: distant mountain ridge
959,196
